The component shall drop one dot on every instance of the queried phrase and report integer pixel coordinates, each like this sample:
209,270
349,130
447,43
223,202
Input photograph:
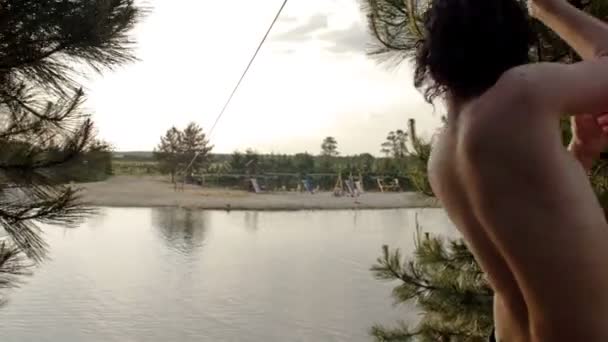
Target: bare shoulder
508,116
554,89
520,90
526,77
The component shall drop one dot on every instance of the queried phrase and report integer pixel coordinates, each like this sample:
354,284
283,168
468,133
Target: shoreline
277,208
142,192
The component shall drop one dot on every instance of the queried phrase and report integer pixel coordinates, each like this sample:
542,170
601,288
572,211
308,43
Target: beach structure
359,185
256,186
384,187
308,185
339,187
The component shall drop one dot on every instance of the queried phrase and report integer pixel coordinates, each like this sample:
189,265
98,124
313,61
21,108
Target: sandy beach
133,191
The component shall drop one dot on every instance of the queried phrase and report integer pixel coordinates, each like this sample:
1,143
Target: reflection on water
182,229
251,220
186,275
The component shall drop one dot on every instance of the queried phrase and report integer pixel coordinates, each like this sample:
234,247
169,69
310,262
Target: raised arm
587,35
560,88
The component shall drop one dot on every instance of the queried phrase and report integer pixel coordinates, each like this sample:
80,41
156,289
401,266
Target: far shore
147,191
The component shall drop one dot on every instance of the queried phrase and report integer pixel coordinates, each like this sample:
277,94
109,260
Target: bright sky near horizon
312,79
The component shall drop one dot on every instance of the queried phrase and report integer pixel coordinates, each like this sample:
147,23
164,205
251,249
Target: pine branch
417,166
446,284
397,28
43,133
400,334
13,267
22,209
31,159
53,113
41,48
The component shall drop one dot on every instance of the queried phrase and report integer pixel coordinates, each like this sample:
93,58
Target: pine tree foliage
44,45
447,285
396,144
397,26
186,150
13,265
167,152
194,143
329,147
416,168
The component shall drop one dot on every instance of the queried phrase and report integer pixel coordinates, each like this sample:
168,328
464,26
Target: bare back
529,215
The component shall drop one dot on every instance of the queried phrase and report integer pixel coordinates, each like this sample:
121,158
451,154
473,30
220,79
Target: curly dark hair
469,44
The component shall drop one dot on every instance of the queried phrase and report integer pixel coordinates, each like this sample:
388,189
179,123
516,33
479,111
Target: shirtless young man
523,202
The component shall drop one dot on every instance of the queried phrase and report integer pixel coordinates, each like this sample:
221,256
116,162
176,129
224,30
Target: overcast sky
312,79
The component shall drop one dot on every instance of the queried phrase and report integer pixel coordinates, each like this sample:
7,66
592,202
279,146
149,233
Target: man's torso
450,173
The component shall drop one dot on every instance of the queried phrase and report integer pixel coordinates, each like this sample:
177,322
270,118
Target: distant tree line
403,155
92,165
397,156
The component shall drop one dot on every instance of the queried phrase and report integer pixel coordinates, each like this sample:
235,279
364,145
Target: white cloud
298,90
352,39
304,32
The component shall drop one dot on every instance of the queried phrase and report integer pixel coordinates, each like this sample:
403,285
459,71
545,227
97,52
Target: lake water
180,275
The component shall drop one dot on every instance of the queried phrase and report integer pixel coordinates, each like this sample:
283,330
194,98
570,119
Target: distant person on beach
522,201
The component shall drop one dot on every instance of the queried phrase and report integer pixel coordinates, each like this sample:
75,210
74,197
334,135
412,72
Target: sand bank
133,191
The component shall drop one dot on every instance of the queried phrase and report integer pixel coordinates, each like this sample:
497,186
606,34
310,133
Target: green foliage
252,162
249,162
134,167
278,163
220,167
329,147
168,151
276,171
397,28
364,163
44,134
304,163
408,162
448,287
193,144
329,151
238,162
396,144
416,168
92,165
179,150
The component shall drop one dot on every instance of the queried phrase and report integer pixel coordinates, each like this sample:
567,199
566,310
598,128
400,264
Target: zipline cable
241,79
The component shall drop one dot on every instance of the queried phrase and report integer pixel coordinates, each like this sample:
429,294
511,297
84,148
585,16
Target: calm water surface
179,275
